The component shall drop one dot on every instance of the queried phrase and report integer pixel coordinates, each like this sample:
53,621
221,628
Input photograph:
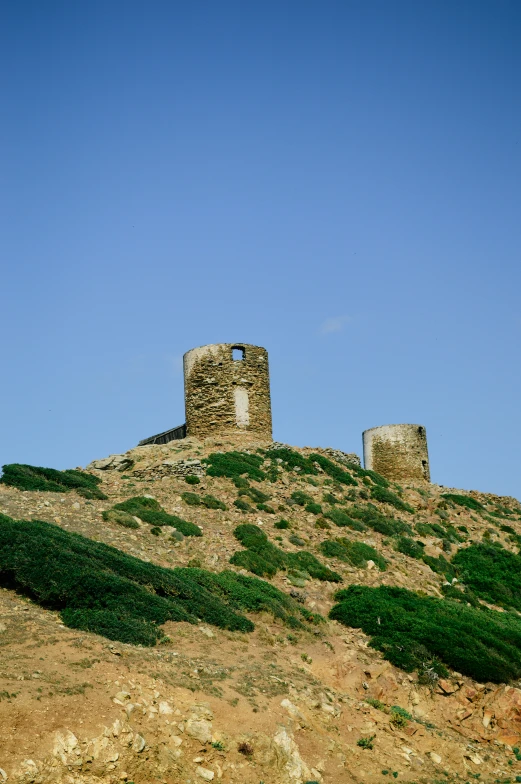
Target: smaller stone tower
227,390
397,452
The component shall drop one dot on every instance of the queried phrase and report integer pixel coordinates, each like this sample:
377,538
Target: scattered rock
139,743
205,774
112,463
200,729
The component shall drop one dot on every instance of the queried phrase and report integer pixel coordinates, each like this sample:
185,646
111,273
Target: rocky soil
273,707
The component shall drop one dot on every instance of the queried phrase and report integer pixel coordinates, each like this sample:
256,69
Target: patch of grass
329,498
313,508
235,465
409,547
301,498
354,553
27,477
366,743
192,480
308,465
377,704
150,511
256,495
385,496
282,524
100,589
492,573
209,501
463,500
333,470
121,518
266,508
411,630
343,520
431,529
243,505
370,516
378,479
264,558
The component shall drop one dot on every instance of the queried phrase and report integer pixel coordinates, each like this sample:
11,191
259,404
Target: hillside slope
301,698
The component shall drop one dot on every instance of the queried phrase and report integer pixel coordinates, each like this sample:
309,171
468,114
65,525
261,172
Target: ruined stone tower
397,451
227,390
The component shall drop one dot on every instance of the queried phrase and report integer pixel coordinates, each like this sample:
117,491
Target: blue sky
339,182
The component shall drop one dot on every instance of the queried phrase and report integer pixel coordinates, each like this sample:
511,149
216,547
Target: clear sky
339,182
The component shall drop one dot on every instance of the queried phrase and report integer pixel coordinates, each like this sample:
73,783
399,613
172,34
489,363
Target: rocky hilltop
250,612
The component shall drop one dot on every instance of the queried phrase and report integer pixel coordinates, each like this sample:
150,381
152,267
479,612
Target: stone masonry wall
397,452
224,395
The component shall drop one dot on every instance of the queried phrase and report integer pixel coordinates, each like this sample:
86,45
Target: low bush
492,573
256,495
296,540
385,496
265,559
209,501
329,498
463,500
150,511
412,630
378,479
100,589
333,470
409,547
192,480
282,524
340,518
234,465
308,465
243,505
313,508
354,553
266,508
370,516
27,477
121,518
301,498
431,529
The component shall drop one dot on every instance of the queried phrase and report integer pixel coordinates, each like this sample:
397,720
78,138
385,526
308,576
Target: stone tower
397,452
227,390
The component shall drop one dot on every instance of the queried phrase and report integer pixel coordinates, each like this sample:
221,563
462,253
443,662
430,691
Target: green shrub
244,506
366,743
410,630
211,502
256,495
121,518
264,558
463,500
333,470
150,511
301,498
155,531
101,589
343,520
492,573
354,553
370,516
409,547
377,704
296,540
308,465
266,508
431,529
26,477
234,464
192,480
385,496
192,499
313,508
378,479
282,524
322,523
329,498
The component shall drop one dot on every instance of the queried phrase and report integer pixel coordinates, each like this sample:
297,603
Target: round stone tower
227,390
397,452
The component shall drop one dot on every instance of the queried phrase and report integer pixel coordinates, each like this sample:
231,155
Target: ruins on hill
227,393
